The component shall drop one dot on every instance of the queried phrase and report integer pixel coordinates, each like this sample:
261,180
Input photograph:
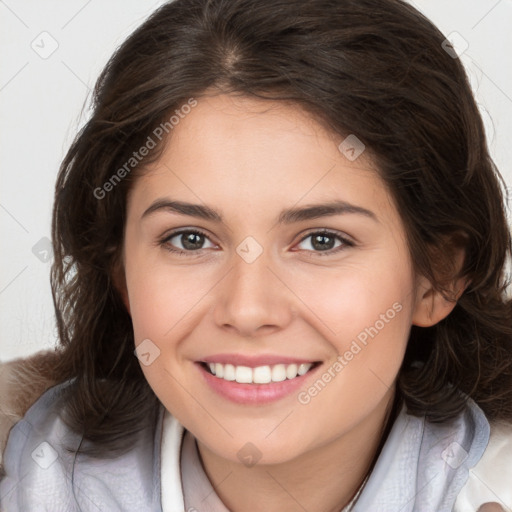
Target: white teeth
243,374
279,373
291,371
260,374
303,368
229,372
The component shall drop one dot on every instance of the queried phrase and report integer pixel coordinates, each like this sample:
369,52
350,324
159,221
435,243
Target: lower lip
253,394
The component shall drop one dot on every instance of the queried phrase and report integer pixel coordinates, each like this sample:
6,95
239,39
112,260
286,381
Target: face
234,265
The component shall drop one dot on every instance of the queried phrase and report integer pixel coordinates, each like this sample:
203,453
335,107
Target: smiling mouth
260,374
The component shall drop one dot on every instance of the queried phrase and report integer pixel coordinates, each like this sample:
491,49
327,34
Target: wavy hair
374,68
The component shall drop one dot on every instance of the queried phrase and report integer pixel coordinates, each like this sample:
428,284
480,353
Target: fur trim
22,382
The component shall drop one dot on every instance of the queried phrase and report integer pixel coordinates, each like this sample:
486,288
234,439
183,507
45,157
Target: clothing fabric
43,474
423,467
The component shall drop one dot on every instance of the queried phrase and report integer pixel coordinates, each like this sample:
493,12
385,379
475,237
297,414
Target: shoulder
22,381
43,469
490,480
37,457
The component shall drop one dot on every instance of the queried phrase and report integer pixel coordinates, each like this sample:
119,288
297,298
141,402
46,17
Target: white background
42,106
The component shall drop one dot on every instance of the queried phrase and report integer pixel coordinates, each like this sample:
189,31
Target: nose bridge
252,278
252,296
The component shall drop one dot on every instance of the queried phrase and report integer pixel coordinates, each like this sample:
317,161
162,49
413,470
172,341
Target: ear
431,305
119,281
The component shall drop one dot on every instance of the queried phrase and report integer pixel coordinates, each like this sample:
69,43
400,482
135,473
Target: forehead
250,154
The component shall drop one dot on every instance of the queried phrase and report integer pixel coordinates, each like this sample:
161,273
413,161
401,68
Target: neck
323,479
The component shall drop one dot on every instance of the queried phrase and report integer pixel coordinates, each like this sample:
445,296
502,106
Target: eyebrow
287,216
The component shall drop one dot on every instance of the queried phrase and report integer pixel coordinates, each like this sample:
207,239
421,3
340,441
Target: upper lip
254,361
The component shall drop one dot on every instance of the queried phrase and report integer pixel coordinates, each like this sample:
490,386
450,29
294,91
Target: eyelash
164,242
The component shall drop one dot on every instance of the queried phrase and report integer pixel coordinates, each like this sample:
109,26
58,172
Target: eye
191,240
188,241
323,242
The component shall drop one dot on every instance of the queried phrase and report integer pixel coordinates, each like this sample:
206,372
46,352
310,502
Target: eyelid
331,232
164,239
346,240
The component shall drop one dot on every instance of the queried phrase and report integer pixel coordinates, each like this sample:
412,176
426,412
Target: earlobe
431,306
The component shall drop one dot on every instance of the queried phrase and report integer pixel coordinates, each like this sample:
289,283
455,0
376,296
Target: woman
289,212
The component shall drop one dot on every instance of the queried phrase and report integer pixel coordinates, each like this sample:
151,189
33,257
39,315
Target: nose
252,300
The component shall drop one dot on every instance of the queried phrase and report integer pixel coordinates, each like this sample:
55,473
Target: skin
250,159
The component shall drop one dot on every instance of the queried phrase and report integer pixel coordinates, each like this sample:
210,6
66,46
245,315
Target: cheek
364,313
351,299
162,304
365,317
161,296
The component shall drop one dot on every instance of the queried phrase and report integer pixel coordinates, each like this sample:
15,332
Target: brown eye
186,241
325,242
191,241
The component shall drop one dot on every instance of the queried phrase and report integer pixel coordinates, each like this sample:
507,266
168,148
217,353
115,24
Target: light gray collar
424,465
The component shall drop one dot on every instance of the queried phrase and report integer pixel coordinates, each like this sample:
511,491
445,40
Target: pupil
322,245
189,239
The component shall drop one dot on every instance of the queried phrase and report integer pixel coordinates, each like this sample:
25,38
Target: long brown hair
374,68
